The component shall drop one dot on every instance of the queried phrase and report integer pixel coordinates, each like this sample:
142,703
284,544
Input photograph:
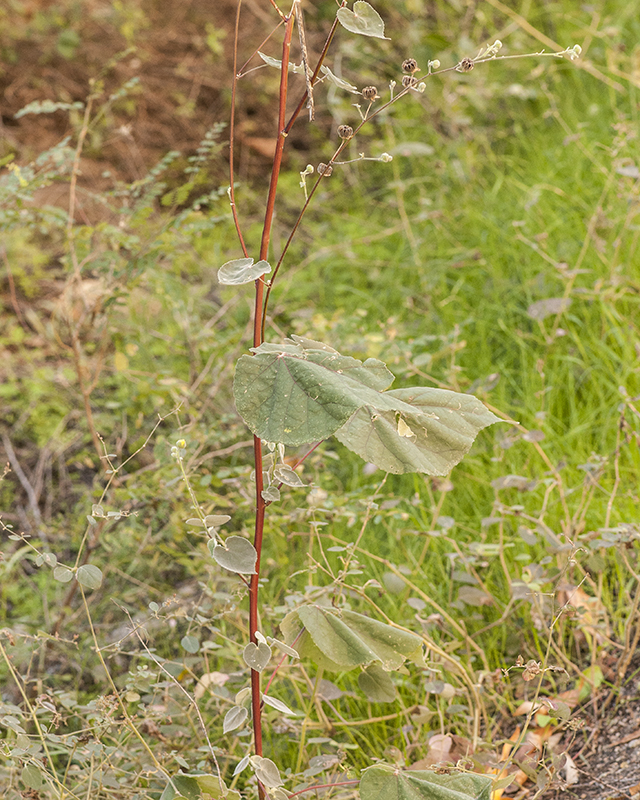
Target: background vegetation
496,254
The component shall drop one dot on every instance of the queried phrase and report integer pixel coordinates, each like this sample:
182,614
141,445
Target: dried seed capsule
345,131
466,65
409,65
409,80
324,169
369,92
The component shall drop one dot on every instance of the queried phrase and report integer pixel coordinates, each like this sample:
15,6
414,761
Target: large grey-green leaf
302,391
364,19
191,786
383,782
344,640
89,576
421,430
234,718
377,684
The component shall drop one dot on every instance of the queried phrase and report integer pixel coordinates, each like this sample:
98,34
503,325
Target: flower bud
345,131
435,64
386,157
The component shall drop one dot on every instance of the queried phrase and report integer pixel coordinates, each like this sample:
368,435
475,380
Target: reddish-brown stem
256,700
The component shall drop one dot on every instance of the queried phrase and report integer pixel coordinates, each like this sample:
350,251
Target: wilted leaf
89,576
234,718
341,84
257,656
377,684
339,640
364,20
237,554
242,270
383,782
284,474
545,308
277,62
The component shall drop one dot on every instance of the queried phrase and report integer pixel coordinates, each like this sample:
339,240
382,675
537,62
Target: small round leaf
89,576
63,574
190,643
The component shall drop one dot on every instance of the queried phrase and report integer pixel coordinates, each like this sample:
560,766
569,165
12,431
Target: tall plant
301,392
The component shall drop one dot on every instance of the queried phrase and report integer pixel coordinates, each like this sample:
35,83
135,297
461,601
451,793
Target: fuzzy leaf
234,718
266,771
257,656
336,81
89,576
424,430
377,684
338,641
242,270
293,393
237,554
364,19
63,574
277,62
283,708
284,474
383,782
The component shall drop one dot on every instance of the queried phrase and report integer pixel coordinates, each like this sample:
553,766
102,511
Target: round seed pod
369,92
324,169
409,65
345,131
409,80
466,65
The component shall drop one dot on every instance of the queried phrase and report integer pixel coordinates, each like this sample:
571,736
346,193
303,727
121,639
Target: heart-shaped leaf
89,576
344,640
257,656
242,270
237,554
266,772
364,19
383,782
234,718
377,684
302,391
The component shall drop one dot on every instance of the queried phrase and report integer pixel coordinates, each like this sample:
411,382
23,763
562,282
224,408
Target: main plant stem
256,699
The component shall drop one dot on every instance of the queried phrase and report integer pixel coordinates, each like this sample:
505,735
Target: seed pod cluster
370,93
410,65
466,65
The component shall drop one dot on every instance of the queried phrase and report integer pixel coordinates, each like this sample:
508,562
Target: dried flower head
324,169
409,80
466,65
409,65
345,131
370,93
